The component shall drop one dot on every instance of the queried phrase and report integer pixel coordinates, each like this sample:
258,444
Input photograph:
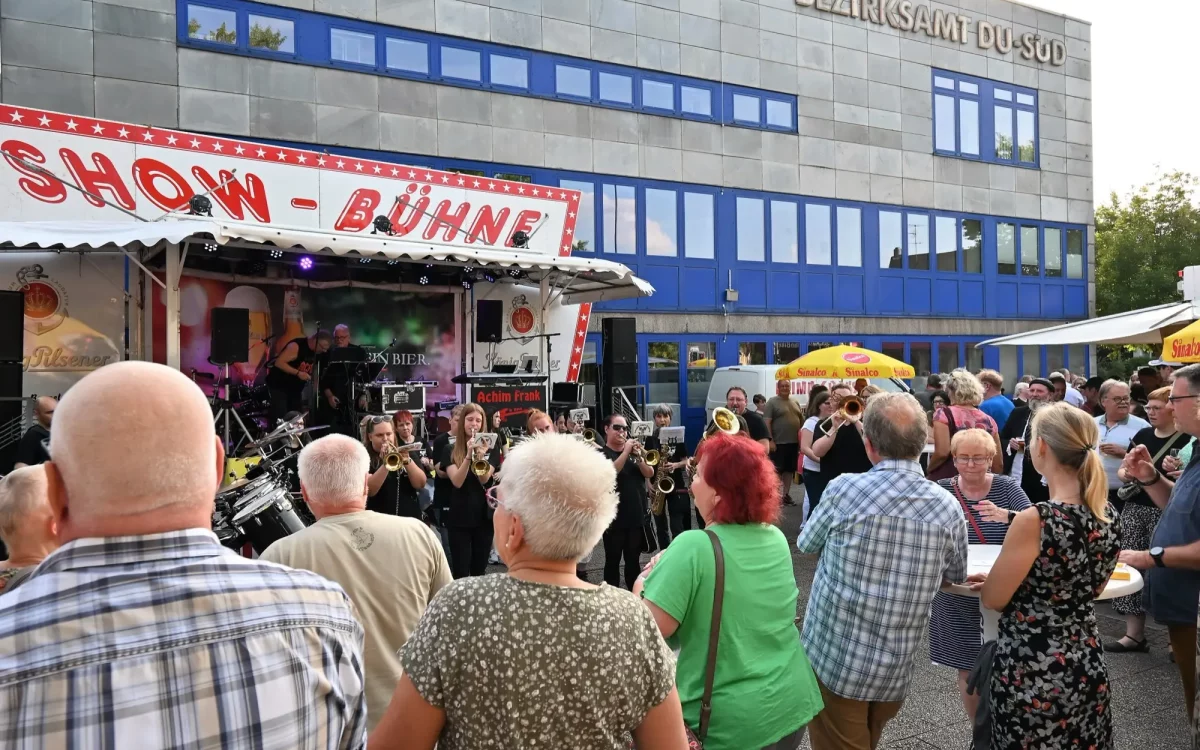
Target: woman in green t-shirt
764,690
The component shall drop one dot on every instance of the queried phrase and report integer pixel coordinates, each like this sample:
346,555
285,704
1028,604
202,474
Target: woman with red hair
764,690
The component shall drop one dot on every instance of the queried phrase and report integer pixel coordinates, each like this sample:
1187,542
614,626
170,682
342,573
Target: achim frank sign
908,16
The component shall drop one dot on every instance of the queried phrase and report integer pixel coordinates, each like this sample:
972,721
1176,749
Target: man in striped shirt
142,630
887,539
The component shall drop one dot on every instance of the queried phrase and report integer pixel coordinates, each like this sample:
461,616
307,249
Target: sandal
1116,647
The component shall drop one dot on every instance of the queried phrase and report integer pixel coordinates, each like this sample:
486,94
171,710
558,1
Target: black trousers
814,487
284,400
620,543
469,550
679,508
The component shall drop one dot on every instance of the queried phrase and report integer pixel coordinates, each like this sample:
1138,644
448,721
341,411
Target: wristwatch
1011,515
1156,554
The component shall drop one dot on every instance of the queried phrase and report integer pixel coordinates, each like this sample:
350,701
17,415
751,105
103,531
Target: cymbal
273,438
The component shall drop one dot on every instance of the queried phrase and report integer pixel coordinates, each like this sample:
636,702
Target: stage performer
678,509
624,537
469,519
336,377
292,370
392,493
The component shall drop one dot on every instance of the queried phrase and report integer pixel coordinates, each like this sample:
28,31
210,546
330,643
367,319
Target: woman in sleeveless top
1049,685
963,414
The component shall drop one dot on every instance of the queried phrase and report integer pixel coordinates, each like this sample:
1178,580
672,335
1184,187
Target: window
408,56
975,118
620,219
1029,251
1074,253
947,356
696,101
972,245
893,349
779,114
352,47
662,234
463,64
918,242
746,109
658,95
212,24
511,72
784,232
816,346
585,220
702,363
1008,367
1032,360
1053,250
946,230
664,372
752,353
849,237
786,351
272,34
698,225
571,81
1077,359
616,88
891,240
1006,249
1055,358
750,240
920,356
818,238
514,177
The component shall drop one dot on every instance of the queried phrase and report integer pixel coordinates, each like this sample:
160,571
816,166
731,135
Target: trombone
724,421
851,410
394,459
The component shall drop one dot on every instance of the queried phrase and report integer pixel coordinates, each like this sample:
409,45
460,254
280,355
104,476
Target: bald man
141,630
27,525
34,447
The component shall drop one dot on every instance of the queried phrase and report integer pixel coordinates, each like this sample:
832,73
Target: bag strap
1166,446
967,510
714,635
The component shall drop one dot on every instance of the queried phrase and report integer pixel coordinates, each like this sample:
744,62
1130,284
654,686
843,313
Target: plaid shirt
889,538
171,640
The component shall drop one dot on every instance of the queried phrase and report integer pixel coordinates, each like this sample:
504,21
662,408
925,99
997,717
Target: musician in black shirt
735,401
292,370
840,447
678,511
469,518
338,371
392,493
624,536
439,453
34,446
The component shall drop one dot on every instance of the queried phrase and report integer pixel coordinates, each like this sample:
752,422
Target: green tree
1142,243
266,37
193,27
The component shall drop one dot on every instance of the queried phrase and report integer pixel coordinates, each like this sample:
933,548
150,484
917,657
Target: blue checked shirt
887,539
172,641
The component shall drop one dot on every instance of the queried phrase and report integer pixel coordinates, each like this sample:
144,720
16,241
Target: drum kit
257,505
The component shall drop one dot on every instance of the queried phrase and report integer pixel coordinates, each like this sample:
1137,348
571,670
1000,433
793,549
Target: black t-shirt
631,492
1154,444
396,497
468,504
335,376
756,426
848,455
34,447
671,454
303,362
439,453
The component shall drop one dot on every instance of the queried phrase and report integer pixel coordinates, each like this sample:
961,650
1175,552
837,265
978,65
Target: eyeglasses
618,428
971,460
1120,401
376,420
1154,408
1173,399
493,500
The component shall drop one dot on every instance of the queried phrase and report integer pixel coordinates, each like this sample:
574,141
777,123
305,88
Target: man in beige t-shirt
391,567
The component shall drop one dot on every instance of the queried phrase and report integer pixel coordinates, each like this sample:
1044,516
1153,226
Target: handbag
1130,490
696,738
946,469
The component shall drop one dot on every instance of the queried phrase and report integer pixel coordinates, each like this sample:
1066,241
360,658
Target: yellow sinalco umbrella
844,362
1183,346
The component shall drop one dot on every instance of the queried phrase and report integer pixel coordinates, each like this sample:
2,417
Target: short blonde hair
23,493
564,513
333,470
973,438
963,388
992,378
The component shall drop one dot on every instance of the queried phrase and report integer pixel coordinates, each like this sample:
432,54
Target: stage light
276,254
520,240
383,225
516,273
393,262
198,205
423,280
489,277
306,263
364,261
467,283
469,269
210,247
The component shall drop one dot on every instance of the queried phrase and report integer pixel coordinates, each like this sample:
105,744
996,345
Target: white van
761,379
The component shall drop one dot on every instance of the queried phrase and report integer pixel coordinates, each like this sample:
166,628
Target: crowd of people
125,622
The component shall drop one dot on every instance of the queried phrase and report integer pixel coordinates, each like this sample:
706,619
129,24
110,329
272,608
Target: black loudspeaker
10,409
489,321
566,393
230,337
619,337
12,327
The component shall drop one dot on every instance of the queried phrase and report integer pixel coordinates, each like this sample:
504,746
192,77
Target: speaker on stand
12,403
229,344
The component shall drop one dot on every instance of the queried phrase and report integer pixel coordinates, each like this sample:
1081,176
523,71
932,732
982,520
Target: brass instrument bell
651,457
723,420
480,467
851,409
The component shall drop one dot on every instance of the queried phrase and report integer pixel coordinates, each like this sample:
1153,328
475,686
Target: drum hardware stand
226,411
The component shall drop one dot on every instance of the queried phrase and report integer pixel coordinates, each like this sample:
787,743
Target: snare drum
266,521
229,537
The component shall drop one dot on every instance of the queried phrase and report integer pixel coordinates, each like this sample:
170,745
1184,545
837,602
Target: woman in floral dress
1049,686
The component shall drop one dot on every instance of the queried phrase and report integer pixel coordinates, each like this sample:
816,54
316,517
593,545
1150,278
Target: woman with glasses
1140,516
989,503
469,520
537,657
1117,430
392,493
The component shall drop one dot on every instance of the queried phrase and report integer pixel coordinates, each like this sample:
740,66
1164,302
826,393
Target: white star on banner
17,116
535,191
340,164
261,153
282,155
195,143
428,177
302,159
376,169
172,140
320,161
358,167
411,174
395,172
123,133
239,150
147,136
461,182
521,190
475,183
45,121
445,179
217,146
508,188
98,129
72,125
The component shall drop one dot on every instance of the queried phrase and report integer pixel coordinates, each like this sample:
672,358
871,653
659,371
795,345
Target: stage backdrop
74,315
422,325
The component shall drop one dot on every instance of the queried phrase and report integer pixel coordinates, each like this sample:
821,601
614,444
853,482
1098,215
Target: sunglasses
618,428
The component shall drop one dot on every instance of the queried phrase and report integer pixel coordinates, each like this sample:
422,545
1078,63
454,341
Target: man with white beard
1015,438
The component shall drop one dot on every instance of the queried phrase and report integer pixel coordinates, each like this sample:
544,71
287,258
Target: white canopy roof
581,279
1143,326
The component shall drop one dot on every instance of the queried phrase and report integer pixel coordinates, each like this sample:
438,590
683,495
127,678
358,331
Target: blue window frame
984,120
307,37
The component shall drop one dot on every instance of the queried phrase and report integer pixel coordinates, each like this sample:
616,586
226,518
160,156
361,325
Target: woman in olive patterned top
537,658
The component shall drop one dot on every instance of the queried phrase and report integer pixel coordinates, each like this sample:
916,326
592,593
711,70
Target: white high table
981,557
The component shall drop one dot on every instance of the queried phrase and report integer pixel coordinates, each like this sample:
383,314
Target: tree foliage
221,34
266,37
1142,243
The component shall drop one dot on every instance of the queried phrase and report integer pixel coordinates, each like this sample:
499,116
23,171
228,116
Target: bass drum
266,521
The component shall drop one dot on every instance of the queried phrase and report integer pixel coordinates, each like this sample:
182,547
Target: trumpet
588,434
851,410
724,421
480,466
649,457
394,458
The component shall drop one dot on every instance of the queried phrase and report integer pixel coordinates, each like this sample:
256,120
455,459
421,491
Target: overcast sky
1144,109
